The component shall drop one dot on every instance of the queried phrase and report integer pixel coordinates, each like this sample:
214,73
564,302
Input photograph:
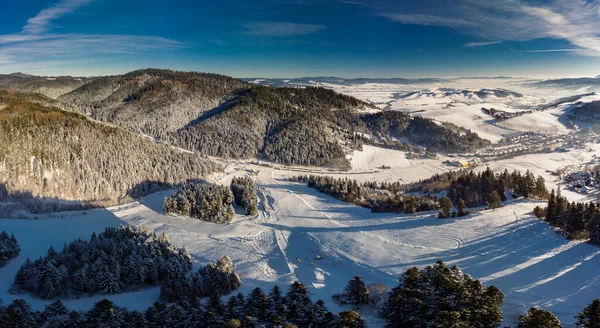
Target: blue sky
293,38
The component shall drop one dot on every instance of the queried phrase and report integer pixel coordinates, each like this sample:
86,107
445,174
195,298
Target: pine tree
590,316
537,318
356,292
351,319
18,314
461,207
422,300
446,205
412,205
494,200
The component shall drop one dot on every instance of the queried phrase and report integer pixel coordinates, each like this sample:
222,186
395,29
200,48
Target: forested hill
51,154
152,101
227,117
51,87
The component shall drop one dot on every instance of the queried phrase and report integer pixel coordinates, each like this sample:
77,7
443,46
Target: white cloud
35,47
42,22
279,29
481,44
426,20
575,21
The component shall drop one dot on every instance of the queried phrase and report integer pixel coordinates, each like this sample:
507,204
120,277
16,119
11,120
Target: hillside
56,155
226,117
153,102
52,87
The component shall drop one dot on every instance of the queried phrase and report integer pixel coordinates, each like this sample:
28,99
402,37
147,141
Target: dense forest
244,194
423,132
207,202
115,261
226,117
578,220
256,309
379,197
9,247
56,159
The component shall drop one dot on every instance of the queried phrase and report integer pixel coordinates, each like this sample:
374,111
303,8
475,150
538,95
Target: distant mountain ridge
49,86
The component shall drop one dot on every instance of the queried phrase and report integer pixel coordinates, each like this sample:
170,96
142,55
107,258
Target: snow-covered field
521,255
460,101
525,258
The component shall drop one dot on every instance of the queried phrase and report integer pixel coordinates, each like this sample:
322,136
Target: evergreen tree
18,314
429,297
590,316
9,248
446,205
351,319
461,207
356,292
494,200
537,318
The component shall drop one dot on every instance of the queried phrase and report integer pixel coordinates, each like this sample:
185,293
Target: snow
509,248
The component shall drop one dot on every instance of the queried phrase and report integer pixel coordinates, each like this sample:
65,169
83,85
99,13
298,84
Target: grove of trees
207,202
441,296
214,279
115,261
9,247
578,220
379,197
244,194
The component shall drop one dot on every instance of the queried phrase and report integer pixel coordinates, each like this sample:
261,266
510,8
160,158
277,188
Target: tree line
276,308
379,197
9,247
578,220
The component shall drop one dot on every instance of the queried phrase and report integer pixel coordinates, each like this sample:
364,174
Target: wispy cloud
427,20
280,29
553,50
481,44
357,3
575,21
36,46
42,22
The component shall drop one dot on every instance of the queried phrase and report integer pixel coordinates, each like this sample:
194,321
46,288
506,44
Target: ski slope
523,256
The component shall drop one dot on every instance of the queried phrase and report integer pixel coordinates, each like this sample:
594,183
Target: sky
298,38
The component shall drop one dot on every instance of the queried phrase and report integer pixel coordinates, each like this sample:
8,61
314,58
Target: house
459,163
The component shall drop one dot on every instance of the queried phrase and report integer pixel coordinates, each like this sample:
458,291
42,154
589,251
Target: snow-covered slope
509,248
